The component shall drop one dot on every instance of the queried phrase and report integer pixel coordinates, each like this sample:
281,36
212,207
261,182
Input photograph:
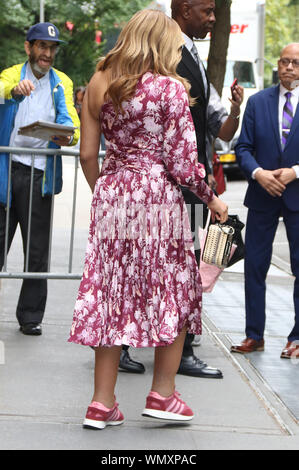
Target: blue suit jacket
259,144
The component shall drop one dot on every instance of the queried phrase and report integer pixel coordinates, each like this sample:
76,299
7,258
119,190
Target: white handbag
218,245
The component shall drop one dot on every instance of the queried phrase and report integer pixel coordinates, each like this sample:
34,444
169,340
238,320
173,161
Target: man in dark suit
196,18
267,152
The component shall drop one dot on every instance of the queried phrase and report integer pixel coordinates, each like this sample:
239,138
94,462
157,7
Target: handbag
239,253
209,273
218,245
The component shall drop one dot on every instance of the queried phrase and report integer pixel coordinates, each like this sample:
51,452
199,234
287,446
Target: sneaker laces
177,395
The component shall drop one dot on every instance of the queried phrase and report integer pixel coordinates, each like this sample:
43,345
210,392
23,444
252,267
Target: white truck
245,60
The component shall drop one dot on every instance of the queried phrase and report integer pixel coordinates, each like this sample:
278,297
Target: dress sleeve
180,148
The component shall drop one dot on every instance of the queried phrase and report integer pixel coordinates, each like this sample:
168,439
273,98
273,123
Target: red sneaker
98,416
172,408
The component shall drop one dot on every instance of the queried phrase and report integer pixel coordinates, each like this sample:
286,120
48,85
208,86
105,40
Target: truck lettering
238,28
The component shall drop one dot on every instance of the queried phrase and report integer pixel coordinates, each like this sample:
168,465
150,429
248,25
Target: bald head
293,47
196,18
288,66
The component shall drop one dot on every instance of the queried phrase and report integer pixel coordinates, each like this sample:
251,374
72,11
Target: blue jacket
62,92
259,144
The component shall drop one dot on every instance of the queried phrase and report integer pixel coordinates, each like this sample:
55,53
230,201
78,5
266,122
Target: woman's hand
219,210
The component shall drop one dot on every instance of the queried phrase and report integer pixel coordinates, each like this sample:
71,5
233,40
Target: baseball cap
44,32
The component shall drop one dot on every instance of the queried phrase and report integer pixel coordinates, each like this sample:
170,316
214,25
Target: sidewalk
47,383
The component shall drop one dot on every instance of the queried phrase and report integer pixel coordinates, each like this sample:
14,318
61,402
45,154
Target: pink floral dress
141,284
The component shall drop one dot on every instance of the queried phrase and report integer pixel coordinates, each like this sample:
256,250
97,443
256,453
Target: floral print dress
141,284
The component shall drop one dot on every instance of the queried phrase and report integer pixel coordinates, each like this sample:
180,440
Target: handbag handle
205,228
208,220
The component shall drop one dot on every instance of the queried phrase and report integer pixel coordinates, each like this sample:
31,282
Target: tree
14,20
280,29
219,44
78,58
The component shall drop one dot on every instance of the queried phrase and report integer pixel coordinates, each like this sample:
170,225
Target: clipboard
45,130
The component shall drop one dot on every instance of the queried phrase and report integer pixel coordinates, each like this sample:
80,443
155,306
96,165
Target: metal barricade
42,275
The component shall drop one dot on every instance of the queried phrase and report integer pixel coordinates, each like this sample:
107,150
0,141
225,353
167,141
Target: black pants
187,350
33,295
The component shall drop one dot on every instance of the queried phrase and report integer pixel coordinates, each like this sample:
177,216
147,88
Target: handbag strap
204,230
208,220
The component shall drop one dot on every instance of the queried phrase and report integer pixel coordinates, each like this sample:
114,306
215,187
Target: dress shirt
282,101
216,112
38,106
189,44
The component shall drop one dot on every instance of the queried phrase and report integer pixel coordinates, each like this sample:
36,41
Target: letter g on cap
51,31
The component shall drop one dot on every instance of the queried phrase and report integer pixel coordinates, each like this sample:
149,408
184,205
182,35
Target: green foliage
14,19
280,29
78,58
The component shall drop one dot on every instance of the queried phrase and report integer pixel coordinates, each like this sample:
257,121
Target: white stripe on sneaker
178,407
171,405
180,410
114,415
175,408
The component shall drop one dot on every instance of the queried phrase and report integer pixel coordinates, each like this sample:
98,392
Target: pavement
47,383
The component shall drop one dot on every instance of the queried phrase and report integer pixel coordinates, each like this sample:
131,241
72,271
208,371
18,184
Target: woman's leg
105,374
167,361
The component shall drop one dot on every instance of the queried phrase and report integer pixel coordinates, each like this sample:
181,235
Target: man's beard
36,67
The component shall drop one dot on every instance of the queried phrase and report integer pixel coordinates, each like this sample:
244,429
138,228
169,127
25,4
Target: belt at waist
118,162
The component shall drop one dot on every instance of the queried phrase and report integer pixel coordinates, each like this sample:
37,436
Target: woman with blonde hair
141,285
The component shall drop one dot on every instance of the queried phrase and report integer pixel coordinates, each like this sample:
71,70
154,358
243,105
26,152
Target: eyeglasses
285,62
44,47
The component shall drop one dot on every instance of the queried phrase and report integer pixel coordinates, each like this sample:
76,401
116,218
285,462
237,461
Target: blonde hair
150,41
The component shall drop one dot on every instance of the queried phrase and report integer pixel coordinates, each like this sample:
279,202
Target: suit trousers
33,295
260,232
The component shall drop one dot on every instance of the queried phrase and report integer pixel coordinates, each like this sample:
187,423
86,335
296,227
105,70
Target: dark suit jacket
188,69
259,144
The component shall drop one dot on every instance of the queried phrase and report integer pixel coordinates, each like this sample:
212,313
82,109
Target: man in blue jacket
268,153
29,92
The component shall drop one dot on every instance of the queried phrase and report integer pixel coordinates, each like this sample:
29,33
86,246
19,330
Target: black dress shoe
31,329
127,364
193,366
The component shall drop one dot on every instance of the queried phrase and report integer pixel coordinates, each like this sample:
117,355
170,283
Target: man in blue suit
268,154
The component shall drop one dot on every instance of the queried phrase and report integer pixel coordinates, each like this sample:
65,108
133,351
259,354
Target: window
243,71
